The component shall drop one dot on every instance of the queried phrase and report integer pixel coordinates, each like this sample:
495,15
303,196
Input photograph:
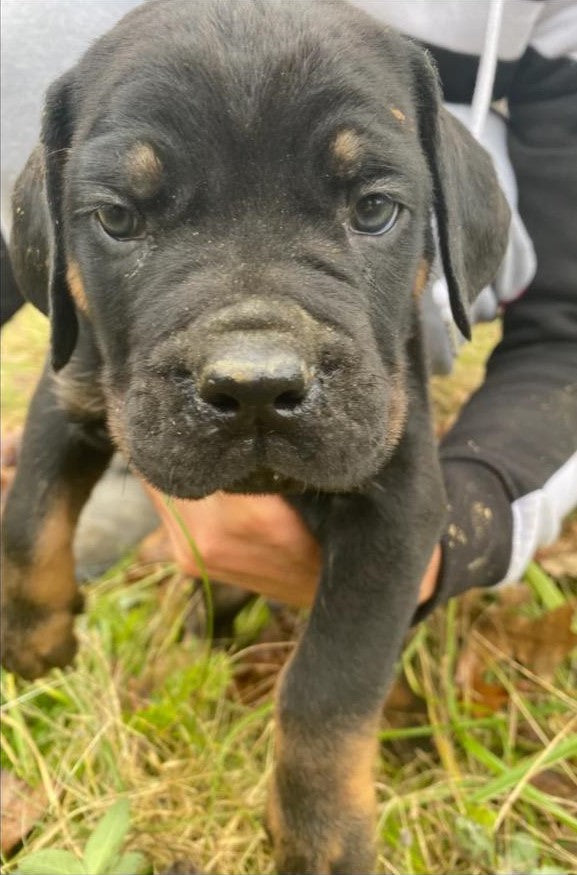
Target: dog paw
323,843
35,640
343,855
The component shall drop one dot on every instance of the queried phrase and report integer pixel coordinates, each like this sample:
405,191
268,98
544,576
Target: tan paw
35,640
322,839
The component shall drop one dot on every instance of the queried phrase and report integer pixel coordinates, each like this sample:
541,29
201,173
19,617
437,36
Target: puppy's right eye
120,222
374,214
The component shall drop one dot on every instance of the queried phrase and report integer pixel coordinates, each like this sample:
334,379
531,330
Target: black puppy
229,222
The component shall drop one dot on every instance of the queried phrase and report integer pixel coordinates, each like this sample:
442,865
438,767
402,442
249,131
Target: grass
24,343
155,716
102,853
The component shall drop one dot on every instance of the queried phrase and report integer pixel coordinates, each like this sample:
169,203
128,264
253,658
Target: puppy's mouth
332,446
244,464
263,481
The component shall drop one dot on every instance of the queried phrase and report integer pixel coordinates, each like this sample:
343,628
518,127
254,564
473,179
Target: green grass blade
510,776
51,862
543,802
544,587
132,863
105,843
206,587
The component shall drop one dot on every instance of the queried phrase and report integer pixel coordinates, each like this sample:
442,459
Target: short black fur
250,340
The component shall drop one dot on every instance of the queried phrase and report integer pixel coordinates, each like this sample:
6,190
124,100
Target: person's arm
510,462
257,542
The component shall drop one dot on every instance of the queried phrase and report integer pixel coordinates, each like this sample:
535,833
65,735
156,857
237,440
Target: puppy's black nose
260,381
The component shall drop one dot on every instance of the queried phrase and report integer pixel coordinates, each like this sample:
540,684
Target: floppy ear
57,128
471,211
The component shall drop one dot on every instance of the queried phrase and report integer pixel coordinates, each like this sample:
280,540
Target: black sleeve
510,462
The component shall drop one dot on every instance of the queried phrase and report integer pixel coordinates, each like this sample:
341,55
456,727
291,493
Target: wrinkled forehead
305,103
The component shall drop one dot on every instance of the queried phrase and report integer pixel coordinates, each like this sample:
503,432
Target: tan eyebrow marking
346,150
399,115
144,169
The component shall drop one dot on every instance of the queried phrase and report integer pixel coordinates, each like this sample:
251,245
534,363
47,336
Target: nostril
220,394
289,400
222,402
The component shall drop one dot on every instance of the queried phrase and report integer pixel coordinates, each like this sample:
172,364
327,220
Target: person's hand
257,542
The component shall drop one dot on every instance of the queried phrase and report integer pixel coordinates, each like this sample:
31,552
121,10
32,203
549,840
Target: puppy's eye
120,222
374,214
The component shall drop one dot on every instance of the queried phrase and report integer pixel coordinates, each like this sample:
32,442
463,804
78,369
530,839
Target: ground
478,764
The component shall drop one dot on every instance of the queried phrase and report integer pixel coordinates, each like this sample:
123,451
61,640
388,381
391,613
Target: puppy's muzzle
255,380
258,396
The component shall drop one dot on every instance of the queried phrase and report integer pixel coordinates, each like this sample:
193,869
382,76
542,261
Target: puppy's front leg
321,806
60,461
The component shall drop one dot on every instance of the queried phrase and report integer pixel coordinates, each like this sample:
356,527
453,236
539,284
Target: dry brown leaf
21,808
555,784
540,644
403,699
560,559
258,666
257,671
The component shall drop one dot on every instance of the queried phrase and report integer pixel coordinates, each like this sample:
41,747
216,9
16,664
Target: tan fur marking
80,395
115,423
399,115
346,150
274,819
50,581
421,279
338,771
144,169
398,406
358,786
40,599
52,633
348,756
76,286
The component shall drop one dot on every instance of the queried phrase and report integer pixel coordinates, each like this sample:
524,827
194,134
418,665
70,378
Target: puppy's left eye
373,214
120,222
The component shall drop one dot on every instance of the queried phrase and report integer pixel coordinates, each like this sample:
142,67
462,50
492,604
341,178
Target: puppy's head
241,197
